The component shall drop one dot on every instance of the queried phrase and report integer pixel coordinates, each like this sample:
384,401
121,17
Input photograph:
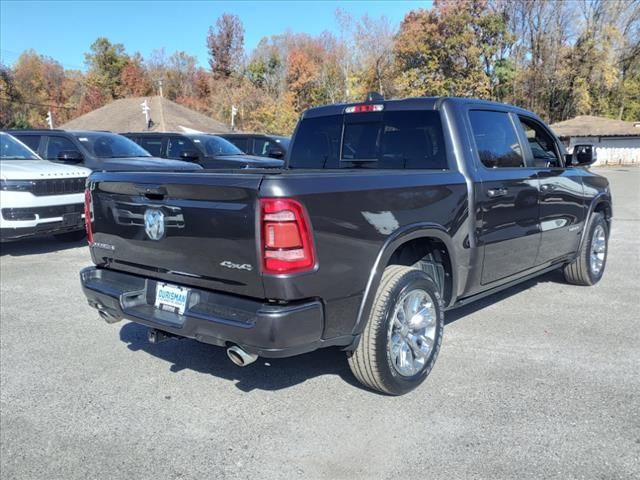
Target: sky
64,30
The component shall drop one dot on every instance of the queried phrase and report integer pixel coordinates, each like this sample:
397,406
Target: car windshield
12,149
110,145
214,146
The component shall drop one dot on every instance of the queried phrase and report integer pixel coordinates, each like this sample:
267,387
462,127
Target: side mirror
70,156
275,152
189,155
583,155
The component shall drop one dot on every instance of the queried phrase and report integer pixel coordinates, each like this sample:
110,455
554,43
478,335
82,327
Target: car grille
59,186
42,212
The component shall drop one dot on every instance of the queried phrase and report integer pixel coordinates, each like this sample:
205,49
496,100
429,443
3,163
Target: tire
585,270
74,236
374,362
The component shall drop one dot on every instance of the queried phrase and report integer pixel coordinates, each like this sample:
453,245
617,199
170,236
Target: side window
31,141
496,139
55,145
240,142
153,145
176,146
543,147
261,146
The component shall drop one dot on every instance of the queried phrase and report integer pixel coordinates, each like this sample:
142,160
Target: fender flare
601,198
397,239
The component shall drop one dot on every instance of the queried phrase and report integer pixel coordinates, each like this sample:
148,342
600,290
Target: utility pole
50,120
160,87
145,110
234,112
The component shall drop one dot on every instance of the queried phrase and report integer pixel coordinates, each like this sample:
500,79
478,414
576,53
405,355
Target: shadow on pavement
264,374
554,276
277,374
34,246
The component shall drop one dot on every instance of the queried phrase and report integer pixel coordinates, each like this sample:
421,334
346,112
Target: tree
134,78
106,61
449,49
226,46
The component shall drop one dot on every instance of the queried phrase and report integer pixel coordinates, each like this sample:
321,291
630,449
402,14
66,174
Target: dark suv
209,151
273,146
93,149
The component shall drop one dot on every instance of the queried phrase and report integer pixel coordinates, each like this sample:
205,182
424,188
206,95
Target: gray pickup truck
386,215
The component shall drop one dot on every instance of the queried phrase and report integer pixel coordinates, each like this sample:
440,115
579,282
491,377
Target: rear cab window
400,139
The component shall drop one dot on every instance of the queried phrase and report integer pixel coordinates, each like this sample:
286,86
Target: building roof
125,115
592,126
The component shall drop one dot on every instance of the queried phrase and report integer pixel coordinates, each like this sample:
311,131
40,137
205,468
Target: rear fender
400,237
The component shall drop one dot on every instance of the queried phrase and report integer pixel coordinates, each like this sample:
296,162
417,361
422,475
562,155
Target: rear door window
382,140
57,145
153,145
241,142
496,139
31,141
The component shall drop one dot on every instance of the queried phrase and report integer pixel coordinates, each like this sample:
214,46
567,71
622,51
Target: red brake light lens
287,245
366,107
88,207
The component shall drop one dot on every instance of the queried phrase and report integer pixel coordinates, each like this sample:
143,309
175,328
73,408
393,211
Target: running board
465,301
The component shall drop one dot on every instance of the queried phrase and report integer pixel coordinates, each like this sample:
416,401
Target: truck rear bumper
268,330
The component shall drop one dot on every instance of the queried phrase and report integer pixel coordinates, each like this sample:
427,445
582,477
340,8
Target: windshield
110,145
214,146
12,149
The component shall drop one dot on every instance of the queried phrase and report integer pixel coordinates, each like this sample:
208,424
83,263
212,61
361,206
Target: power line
20,102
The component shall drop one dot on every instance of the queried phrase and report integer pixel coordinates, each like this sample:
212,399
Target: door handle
497,192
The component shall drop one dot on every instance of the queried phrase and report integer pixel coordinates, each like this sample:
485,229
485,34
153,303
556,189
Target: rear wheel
402,338
588,267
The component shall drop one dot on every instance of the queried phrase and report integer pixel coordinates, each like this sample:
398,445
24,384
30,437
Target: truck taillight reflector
286,242
87,215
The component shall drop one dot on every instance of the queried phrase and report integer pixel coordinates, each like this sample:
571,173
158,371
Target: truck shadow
35,246
277,374
265,374
555,276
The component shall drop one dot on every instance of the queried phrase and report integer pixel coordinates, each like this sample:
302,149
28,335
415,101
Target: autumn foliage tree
559,58
226,46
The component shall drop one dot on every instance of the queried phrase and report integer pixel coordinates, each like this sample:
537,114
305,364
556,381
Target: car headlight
16,185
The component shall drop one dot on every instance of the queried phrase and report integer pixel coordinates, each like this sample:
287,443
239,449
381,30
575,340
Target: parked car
389,214
39,197
93,149
209,151
273,146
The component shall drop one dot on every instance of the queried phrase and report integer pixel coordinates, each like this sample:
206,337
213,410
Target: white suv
38,197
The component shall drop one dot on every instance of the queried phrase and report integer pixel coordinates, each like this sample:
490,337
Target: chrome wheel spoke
412,332
598,250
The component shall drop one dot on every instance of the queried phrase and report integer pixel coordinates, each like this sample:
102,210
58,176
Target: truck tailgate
209,219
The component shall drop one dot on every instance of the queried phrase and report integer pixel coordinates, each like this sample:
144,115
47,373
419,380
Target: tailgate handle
153,192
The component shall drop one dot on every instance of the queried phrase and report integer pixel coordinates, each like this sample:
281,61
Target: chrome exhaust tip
240,357
107,317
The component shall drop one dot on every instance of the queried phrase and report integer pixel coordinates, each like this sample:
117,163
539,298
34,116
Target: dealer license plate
171,298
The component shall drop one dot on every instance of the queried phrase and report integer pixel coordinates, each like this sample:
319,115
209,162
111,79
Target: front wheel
588,267
402,338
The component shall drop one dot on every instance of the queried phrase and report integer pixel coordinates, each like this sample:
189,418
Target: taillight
286,242
87,215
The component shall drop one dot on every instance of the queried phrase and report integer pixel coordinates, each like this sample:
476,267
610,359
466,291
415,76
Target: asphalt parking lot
542,381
